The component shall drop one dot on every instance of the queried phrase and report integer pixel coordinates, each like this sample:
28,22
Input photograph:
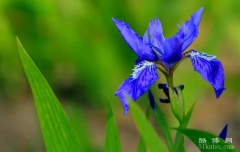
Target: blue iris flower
155,51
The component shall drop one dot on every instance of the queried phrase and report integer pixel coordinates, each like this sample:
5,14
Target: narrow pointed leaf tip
146,130
58,133
112,140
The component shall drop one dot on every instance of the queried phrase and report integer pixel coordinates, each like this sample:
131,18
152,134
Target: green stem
174,100
170,81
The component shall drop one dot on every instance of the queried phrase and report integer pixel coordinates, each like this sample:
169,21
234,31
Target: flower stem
170,81
174,100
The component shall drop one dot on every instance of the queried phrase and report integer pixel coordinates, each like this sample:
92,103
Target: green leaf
57,130
112,141
181,99
209,146
181,147
179,136
176,105
141,145
146,130
163,124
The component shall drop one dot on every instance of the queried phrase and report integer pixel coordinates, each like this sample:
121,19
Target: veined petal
143,76
134,40
210,69
191,28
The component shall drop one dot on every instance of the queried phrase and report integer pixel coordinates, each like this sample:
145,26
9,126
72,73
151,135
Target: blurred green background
84,58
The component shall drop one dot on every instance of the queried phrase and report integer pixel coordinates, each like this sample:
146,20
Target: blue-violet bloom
155,51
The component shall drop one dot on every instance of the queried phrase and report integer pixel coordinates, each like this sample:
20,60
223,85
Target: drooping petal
173,49
210,69
134,40
143,76
124,101
191,28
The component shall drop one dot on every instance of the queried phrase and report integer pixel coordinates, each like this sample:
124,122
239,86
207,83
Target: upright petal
159,38
151,26
143,76
156,40
191,28
210,69
134,40
173,49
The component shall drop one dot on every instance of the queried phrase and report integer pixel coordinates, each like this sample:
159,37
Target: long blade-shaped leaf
146,130
58,133
207,142
162,122
141,145
179,136
112,141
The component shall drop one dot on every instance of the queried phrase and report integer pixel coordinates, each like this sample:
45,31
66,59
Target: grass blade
112,141
57,130
149,135
184,123
141,145
162,122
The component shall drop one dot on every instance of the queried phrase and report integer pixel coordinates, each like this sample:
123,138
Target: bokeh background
84,58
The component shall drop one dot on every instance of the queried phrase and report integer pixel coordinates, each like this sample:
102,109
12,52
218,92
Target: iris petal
134,40
156,40
210,69
172,49
125,103
159,40
191,28
143,76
